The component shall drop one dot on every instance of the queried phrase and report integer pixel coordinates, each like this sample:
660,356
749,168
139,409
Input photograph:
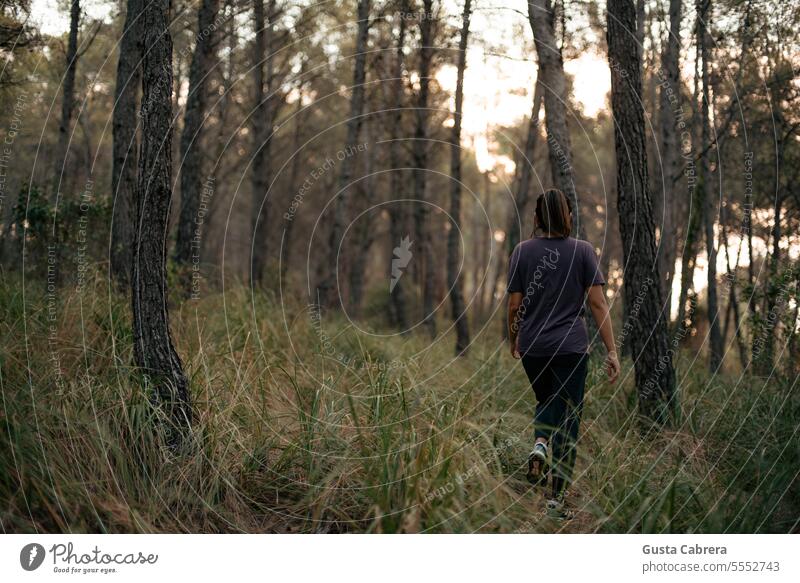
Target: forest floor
303,427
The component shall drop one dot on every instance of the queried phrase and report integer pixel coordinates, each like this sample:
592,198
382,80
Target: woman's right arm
599,307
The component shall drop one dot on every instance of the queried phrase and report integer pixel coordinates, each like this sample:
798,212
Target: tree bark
420,157
694,212
709,205
263,121
187,247
523,189
647,314
125,144
551,70
525,165
327,291
398,208
288,228
689,259
454,279
154,352
67,100
363,231
671,117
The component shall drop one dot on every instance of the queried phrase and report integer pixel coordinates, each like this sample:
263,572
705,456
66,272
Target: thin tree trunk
671,116
153,350
420,156
363,231
523,188
263,121
327,291
525,165
188,244
454,279
655,377
125,145
733,302
551,69
67,100
640,18
397,210
694,211
288,227
709,206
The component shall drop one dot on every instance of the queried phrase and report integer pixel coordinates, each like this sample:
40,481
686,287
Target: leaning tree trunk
655,377
525,165
551,69
294,172
523,189
454,279
709,207
187,247
420,157
263,121
671,113
152,343
125,145
327,291
67,100
397,208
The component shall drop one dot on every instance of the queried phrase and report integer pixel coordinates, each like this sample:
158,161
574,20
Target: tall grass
309,428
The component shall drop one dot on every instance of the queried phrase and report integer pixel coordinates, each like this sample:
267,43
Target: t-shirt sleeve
591,271
514,274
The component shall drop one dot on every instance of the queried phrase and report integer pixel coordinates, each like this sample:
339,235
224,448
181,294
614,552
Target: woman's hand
514,350
612,367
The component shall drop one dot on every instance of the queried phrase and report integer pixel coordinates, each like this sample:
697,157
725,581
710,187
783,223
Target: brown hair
553,213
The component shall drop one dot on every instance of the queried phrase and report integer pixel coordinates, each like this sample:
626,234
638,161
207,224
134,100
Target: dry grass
288,439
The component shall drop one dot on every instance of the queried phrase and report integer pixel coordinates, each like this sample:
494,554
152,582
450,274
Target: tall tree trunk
694,211
733,302
709,205
152,343
525,165
263,121
288,226
523,189
671,115
397,209
420,156
655,377
67,100
125,144
689,258
551,70
363,231
454,279
327,291
187,247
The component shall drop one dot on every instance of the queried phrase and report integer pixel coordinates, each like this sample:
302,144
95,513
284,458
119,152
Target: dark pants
558,382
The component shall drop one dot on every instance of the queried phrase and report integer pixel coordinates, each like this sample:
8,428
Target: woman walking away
550,275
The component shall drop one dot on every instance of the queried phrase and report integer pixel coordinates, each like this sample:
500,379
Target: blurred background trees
325,129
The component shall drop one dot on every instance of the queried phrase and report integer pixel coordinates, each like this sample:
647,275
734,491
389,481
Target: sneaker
557,510
537,465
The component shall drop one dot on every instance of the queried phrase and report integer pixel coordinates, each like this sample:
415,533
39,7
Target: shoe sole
537,478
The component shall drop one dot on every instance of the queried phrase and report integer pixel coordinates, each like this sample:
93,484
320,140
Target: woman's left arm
599,307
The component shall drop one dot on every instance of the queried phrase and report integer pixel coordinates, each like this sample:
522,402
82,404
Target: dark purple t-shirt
553,276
